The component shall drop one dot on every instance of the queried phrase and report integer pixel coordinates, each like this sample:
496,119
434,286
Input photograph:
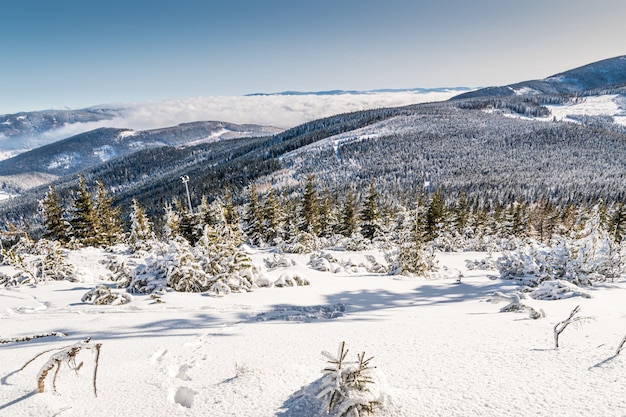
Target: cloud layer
283,111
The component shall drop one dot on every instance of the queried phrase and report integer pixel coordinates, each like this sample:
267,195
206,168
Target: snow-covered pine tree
309,210
83,219
595,256
54,222
227,267
183,272
351,388
189,225
172,222
369,214
327,215
52,263
273,218
349,221
141,235
109,217
411,257
252,218
434,216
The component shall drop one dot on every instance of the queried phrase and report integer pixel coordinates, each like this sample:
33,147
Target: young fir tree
309,211
172,222
370,215
231,215
327,215
272,218
54,217
109,218
349,221
617,223
140,229
252,218
434,216
190,225
84,220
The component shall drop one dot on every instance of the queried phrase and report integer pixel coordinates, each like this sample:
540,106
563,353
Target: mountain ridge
599,74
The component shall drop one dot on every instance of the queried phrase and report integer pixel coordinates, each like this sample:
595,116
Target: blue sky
68,53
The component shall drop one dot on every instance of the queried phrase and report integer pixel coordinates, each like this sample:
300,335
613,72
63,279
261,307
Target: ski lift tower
185,180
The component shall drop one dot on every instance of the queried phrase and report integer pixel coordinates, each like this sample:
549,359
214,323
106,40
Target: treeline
315,217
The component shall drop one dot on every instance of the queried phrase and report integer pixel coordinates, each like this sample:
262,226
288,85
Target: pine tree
172,222
434,216
140,229
309,212
84,221
54,217
231,216
272,218
109,218
369,214
252,218
617,224
349,221
189,225
326,215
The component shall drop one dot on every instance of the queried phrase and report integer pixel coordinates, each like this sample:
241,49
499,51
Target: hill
601,74
83,151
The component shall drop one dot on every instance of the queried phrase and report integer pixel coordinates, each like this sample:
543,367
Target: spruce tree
272,218
54,217
349,221
309,212
189,226
252,218
108,216
140,229
84,221
434,216
327,216
370,215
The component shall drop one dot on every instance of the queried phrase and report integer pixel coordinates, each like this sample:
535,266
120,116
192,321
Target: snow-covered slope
440,349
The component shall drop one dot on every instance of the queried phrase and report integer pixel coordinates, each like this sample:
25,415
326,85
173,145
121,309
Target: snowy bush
411,259
557,290
279,261
44,261
302,242
485,264
323,261
371,265
102,295
212,265
350,388
290,280
592,257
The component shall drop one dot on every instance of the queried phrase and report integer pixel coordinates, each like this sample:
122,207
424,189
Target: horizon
71,54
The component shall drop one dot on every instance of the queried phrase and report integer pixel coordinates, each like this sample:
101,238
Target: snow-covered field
440,348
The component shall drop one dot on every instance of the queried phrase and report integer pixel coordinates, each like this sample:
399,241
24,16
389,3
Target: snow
65,161
104,153
4,195
439,347
127,134
608,104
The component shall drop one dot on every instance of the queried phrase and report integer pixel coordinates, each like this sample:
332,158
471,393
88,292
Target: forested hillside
491,152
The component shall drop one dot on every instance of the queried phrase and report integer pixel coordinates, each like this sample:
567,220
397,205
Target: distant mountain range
89,149
358,92
562,138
